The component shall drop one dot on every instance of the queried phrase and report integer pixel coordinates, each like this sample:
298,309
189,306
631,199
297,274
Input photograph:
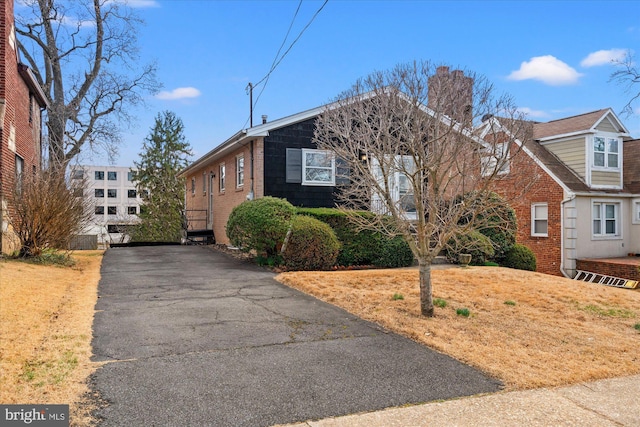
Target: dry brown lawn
527,329
46,316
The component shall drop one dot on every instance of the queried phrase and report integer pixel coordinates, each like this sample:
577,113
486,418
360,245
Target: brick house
264,160
21,103
280,159
585,203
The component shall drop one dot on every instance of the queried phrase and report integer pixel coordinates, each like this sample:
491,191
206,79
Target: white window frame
535,219
493,155
606,152
332,168
635,206
240,171
222,177
599,213
193,186
395,175
204,183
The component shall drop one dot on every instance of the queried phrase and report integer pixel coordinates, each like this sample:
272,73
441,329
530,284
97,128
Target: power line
277,61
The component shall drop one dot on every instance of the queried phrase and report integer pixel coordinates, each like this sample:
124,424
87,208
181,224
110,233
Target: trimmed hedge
364,247
311,245
260,225
520,257
394,253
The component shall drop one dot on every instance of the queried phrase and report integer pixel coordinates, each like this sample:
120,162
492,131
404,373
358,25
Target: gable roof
582,123
245,135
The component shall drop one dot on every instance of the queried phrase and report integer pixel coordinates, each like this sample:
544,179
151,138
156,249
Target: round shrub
520,257
474,243
311,245
260,225
394,253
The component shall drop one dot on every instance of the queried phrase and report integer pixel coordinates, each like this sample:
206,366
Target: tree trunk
426,297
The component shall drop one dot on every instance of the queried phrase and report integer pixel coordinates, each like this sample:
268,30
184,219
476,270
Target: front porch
623,267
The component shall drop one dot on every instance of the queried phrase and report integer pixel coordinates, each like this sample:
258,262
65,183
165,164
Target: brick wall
541,188
622,270
21,128
225,201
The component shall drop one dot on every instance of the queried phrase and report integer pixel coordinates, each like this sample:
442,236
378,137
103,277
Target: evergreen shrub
310,245
474,243
520,257
260,225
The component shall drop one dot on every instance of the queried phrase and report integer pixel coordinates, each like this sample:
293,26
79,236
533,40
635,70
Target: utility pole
249,89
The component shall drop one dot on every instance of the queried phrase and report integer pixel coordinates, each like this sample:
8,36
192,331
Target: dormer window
605,152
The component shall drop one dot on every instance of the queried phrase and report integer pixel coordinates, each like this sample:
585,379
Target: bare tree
627,74
85,56
411,144
47,211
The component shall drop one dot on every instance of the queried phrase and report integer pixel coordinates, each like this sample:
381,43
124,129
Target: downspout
251,194
562,254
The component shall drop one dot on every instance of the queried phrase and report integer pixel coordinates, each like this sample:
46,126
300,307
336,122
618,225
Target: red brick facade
623,268
543,189
20,118
223,201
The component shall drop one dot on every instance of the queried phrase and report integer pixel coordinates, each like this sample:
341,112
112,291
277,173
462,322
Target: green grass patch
464,312
607,311
509,302
439,302
637,327
397,296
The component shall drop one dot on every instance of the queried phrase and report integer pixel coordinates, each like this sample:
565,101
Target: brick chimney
451,93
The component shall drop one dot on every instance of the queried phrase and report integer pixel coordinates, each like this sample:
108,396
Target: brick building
21,104
585,200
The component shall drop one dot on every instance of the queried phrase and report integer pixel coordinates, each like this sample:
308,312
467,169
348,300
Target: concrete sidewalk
612,402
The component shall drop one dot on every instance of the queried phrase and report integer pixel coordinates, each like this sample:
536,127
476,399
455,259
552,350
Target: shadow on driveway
195,337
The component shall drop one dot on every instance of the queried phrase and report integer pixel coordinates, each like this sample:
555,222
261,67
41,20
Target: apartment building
116,201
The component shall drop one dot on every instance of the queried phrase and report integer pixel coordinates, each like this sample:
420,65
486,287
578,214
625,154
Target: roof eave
33,84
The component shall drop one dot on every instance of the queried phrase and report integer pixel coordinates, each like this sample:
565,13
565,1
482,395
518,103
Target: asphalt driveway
197,338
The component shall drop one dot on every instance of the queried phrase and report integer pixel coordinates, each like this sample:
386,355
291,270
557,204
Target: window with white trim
636,211
318,167
605,152
399,183
495,160
606,219
240,171
222,176
193,186
539,219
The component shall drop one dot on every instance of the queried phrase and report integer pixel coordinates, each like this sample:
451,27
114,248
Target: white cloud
603,57
530,113
142,3
179,93
137,3
548,69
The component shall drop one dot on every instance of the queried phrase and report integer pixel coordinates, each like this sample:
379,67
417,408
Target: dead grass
46,316
527,329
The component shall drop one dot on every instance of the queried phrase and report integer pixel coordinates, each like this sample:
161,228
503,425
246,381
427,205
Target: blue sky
553,57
